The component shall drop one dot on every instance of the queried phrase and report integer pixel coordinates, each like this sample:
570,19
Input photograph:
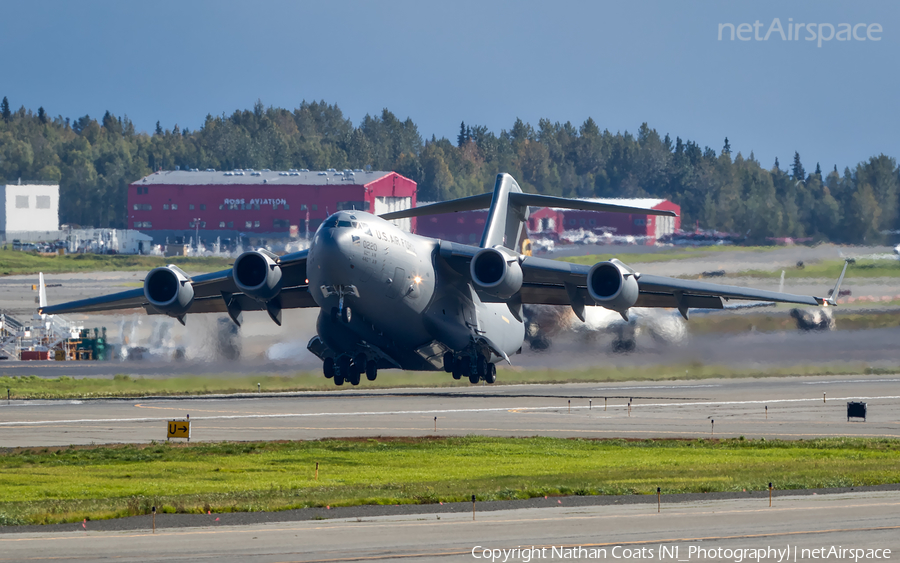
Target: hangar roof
644,202
304,177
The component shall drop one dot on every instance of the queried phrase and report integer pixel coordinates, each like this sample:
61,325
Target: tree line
94,161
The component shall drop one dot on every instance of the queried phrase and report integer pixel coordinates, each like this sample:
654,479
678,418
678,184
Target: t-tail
506,217
508,210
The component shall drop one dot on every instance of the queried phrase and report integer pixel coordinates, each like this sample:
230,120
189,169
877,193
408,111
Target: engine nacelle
612,286
169,290
257,274
496,273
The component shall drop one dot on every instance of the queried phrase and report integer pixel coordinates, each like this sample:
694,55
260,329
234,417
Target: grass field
68,484
33,387
644,258
770,320
830,269
13,262
668,254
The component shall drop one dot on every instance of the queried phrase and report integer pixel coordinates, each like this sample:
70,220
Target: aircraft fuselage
384,294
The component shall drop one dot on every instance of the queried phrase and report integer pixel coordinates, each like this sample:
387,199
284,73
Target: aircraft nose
333,252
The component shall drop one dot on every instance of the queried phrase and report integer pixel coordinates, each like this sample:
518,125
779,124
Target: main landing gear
349,369
475,368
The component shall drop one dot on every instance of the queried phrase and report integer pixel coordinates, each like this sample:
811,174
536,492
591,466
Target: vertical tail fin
506,217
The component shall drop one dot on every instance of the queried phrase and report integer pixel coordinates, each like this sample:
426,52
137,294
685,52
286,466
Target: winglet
832,300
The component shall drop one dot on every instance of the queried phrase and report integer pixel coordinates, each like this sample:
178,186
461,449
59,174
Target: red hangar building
256,205
549,222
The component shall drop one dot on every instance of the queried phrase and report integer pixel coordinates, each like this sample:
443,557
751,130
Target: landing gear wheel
343,372
354,375
491,375
371,370
448,362
475,371
346,314
457,372
481,367
359,365
328,367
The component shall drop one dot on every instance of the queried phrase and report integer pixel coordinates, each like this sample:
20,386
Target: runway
786,408
724,530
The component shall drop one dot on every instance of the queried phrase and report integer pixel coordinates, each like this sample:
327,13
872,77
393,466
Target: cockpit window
344,224
330,223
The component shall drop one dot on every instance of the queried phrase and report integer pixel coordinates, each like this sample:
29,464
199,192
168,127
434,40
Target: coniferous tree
797,170
727,148
4,108
777,166
462,138
159,130
42,116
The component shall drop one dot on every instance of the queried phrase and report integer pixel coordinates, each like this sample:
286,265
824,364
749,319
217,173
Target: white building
28,208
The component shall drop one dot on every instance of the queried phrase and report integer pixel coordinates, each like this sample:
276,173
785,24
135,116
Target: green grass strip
69,484
13,262
774,319
830,269
34,387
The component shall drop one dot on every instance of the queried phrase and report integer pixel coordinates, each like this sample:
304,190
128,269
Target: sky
482,62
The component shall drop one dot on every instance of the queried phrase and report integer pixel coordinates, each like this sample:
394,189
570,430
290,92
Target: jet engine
496,273
169,290
612,286
257,274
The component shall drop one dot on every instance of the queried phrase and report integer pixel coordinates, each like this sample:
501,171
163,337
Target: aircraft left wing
553,282
214,292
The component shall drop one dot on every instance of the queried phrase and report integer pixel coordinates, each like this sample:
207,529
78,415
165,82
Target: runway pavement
787,408
722,530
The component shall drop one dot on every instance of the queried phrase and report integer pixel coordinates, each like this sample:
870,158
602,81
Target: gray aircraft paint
383,263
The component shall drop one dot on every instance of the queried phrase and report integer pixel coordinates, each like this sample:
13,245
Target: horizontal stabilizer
536,200
483,201
471,203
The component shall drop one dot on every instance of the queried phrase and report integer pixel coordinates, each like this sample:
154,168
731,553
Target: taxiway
843,521
787,408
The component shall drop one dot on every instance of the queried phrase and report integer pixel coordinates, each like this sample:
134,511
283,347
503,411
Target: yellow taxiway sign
179,429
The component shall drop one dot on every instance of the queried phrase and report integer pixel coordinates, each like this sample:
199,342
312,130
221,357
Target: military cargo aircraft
392,299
